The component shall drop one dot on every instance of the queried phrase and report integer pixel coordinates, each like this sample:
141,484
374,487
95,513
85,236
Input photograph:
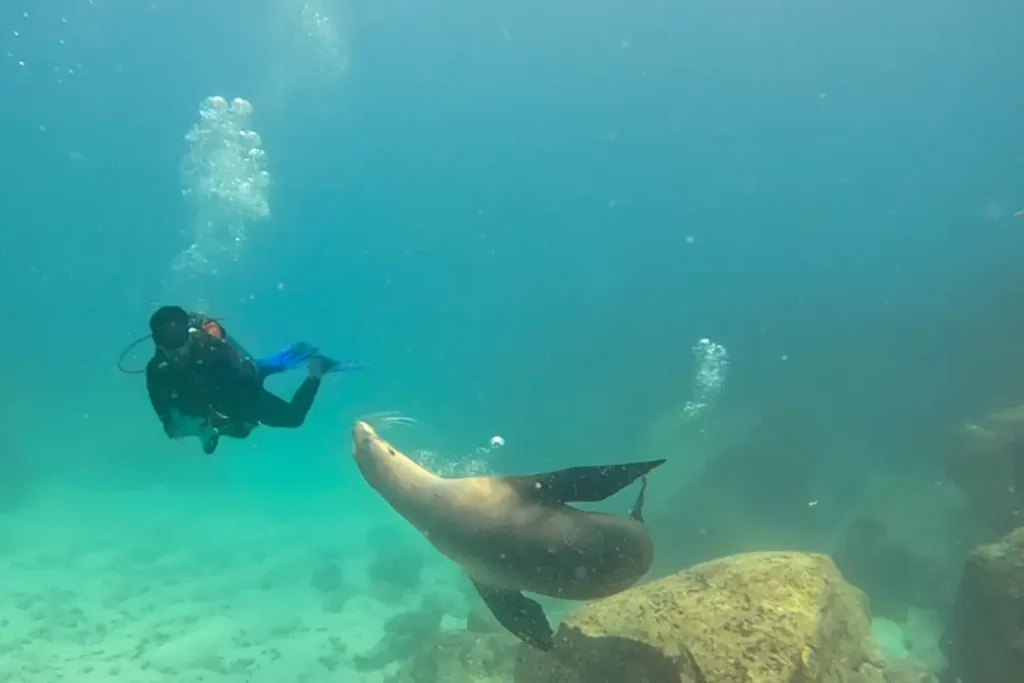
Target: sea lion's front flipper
581,484
523,617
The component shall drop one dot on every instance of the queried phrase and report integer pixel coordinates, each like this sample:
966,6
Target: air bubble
224,177
712,367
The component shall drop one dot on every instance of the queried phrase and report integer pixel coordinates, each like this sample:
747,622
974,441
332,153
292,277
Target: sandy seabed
154,586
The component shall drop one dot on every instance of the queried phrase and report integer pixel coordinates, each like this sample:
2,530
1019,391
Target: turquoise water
525,219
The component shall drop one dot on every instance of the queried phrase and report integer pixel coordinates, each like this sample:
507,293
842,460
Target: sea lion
514,534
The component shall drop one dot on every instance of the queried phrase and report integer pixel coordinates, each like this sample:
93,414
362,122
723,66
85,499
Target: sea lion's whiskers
388,419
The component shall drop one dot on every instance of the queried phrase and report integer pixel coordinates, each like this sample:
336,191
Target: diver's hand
215,419
319,366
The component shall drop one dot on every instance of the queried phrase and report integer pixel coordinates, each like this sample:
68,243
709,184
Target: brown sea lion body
515,534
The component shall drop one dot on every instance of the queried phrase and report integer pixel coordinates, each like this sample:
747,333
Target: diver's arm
160,392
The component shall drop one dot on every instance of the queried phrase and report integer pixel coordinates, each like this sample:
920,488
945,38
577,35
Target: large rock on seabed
750,618
984,639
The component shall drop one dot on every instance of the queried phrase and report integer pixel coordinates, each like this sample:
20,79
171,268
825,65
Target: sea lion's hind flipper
638,507
524,618
582,484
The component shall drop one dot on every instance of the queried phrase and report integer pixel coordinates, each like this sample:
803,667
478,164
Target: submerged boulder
461,657
758,491
406,636
905,545
762,617
396,565
984,639
985,458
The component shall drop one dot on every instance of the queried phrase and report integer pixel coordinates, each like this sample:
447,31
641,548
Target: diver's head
170,328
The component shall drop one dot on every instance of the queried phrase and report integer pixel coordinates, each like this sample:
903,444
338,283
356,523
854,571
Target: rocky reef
751,618
985,458
396,566
905,543
783,481
406,636
462,657
985,632
761,617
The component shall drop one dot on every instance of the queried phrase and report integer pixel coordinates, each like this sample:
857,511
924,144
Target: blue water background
523,217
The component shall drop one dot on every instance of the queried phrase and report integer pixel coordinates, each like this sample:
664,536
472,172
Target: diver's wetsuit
217,383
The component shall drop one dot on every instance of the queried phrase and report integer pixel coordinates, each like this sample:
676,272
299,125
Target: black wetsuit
217,383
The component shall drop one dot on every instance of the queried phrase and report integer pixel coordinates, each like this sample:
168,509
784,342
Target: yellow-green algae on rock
768,617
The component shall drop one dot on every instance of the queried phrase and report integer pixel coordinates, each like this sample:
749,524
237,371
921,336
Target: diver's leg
274,411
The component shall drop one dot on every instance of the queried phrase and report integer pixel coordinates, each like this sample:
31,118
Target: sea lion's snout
376,457
362,432
367,443
363,437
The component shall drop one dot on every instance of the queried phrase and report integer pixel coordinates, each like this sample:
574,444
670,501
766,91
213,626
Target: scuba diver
202,383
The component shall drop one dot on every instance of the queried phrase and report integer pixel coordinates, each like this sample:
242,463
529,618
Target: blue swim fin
288,359
342,365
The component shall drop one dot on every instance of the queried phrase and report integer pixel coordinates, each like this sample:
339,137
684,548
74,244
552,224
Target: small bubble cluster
225,163
712,366
224,177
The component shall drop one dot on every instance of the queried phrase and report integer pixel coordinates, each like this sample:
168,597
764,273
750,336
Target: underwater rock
908,672
921,633
335,602
911,649
760,491
750,618
395,573
202,647
406,635
889,571
395,567
328,578
905,545
462,657
984,633
985,458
